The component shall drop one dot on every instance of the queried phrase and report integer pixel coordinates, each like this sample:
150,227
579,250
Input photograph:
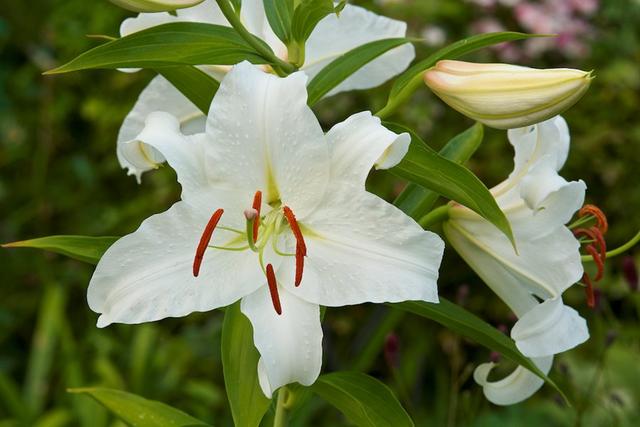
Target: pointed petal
290,344
363,249
147,275
549,328
335,36
159,95
261,125
360,143
516,387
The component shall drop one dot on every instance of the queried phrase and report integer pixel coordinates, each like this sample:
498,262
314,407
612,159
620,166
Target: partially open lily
332,37
538,202
275,213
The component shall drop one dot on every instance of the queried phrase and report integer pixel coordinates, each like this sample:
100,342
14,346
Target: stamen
591,297
273,289
205,239
595,234
299,265
295,229
597,213
257,204
598,261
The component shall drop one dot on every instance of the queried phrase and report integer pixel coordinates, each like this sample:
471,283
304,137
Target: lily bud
506,96
155,5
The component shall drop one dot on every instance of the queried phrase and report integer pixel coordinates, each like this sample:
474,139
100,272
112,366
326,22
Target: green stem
436,216
280,419
619,250
261,48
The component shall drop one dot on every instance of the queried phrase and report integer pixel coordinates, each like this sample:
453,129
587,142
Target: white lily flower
264,167
538,202
332,37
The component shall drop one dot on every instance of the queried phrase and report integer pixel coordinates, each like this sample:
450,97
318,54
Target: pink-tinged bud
392,350
155,5
630,272
506,96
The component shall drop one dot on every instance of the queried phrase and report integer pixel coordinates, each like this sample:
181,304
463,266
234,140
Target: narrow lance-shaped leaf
196,85
137,411
83,248
423,166
415,200
307,15
239,364
469,325
345,65
280,14
411,79
365,401
178,43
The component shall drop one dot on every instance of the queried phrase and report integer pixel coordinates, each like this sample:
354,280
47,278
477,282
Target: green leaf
83,248
423,166
345,65
196,85
240,369
155,5
469,325
307,15
280,14
411,79
365,401
138,411
415,200
178,43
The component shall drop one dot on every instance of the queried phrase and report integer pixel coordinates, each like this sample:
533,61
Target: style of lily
538,202
288,225
332,37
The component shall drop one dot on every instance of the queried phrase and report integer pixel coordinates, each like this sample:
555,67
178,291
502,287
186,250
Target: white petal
255,20
549,328
143,21
360,143
147,275
363,249
267,138
159,95
207,12
334,36
290,344
516,387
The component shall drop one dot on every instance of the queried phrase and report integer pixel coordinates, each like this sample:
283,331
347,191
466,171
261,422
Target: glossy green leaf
415,200
178,43
469,325
196,85
345,65
240,369
425,167
364,401
83,248
411,79
280,14
307,15
155,5
138,411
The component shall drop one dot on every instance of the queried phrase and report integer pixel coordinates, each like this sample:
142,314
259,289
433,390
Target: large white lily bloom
538,202
332,37
261,136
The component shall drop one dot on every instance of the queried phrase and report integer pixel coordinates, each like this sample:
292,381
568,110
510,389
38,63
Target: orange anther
205,239
273,289
257,204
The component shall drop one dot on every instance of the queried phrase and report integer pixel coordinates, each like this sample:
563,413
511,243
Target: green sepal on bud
155,5
506,96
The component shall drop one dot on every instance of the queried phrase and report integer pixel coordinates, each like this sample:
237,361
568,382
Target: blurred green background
60,176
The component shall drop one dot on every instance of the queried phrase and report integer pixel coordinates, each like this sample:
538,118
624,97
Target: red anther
597,260
295,229
205,239
257,204
594,234
597,213
299,265
591,297
273,289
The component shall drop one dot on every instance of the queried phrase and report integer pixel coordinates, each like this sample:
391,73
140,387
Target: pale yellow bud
506,96
155,5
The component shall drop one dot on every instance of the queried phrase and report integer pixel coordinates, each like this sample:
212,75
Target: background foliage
60,176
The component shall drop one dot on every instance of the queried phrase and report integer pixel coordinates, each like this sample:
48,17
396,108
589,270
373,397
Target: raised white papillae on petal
516,387
290,344
360,143
355,26
363,249
267,138
549,328
147,275
159,95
